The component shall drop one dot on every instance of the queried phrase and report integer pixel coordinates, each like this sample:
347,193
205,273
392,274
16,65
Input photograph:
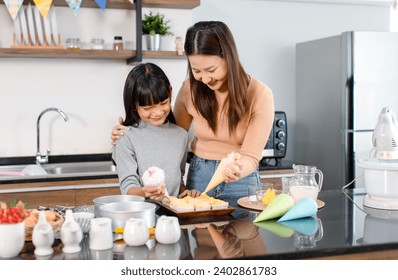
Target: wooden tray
244,202
202,213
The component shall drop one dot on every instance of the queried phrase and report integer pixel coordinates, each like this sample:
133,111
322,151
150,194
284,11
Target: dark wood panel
86,196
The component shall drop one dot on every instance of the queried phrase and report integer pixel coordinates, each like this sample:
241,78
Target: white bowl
12,239
381,177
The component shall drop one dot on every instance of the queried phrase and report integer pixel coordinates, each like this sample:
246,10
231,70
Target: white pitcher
135,232
71,234
43,236
101,234
168,230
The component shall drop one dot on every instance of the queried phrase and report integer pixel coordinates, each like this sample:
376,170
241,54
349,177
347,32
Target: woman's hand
116,131
192,193
232,171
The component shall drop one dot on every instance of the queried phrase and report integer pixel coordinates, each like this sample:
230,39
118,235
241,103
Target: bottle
118,43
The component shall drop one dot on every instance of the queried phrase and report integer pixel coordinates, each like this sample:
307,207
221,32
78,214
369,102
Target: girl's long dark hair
215,38
146,84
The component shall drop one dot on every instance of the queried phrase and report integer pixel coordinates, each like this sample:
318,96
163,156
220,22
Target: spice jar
97,44
118,43
73,44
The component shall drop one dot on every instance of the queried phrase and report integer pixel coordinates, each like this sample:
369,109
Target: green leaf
155,24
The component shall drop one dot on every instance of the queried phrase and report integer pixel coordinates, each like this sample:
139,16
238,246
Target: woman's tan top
251,134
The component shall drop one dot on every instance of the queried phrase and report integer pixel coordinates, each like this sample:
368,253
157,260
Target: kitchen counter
340,230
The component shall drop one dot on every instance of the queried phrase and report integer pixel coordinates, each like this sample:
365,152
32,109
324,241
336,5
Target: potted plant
153,28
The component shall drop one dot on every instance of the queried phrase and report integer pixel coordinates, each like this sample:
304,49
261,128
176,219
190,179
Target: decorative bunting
13,7
101,4
74,5
43,6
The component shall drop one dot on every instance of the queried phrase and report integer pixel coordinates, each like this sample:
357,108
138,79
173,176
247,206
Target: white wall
90,91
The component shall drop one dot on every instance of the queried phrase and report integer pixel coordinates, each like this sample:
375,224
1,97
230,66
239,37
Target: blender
381,170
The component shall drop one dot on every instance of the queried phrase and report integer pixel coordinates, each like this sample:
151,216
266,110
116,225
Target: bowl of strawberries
12,229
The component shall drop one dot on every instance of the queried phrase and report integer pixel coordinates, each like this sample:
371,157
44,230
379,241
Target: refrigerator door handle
358,130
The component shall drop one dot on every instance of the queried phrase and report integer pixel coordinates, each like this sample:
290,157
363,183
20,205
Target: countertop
339,230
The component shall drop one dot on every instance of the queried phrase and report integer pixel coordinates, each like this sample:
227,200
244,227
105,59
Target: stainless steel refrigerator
342,83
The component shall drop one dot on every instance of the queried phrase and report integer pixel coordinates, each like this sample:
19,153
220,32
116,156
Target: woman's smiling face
209,69
155,114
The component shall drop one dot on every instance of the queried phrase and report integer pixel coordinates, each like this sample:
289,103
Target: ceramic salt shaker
71,234
43,236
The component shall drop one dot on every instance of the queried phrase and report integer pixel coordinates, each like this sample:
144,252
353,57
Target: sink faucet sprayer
39,157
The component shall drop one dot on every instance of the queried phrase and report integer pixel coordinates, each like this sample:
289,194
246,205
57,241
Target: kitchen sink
81,167
70,169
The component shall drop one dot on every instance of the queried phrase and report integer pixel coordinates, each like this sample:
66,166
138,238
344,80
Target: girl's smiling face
209,69
155,114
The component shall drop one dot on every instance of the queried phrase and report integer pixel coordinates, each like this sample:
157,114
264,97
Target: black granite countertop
342,226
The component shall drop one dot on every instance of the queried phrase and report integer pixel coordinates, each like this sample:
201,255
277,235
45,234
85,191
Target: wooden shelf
127,5
130,56
83,54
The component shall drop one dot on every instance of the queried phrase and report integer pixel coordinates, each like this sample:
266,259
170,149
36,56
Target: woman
153,138
228,109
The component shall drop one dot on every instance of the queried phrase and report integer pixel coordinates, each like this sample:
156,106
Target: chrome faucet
39,157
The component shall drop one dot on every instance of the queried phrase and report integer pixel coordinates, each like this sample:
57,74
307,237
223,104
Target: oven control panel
277,141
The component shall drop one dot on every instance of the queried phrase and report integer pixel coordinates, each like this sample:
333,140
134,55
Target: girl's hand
116,133
154,192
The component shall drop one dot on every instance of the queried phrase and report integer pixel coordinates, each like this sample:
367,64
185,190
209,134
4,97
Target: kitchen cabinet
67,193
131,56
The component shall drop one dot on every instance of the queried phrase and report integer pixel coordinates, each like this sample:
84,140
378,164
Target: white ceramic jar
135,232
167,230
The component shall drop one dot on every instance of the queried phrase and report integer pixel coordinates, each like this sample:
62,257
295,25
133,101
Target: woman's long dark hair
146,84
215,38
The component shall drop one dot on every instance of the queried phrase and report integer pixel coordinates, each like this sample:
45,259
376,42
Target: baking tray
201,213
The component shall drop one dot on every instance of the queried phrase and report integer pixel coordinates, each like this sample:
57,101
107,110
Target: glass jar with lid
73,44
118,43
97,44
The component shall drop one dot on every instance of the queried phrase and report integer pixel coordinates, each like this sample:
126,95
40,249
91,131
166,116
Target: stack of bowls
102,200
120,212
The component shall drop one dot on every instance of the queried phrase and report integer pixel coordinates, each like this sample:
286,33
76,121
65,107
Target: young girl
153,138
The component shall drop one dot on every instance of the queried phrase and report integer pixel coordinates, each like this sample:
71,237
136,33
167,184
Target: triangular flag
307,226
74,5
101,4
43,6
277,208
306,207
13,7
